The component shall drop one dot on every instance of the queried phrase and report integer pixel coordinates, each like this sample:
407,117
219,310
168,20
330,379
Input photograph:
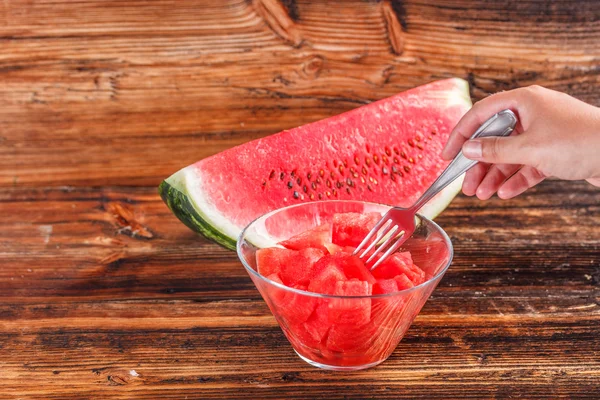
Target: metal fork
398,224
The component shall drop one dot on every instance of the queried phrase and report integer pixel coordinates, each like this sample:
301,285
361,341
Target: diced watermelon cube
325,274
394,265
351,311
382,286
318,324
270,260
403,282
349,229
298,269
294,308
318,238
350,338
354,268
418,276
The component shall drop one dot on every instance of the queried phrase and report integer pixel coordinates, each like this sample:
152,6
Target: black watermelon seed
305,189
314,186
403,154
411,143
338,184
308,176
393,178
320,196
290,184
272,174
296,195
293,174
369,187
299,181
348,190
407,168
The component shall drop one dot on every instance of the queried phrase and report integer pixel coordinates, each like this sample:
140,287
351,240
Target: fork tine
370,234
382,232
389,251
384,244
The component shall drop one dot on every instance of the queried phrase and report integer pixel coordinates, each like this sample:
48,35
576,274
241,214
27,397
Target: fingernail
472,149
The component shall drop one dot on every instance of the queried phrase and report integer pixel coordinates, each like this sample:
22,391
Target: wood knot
312,68
125,218
276,16
393,27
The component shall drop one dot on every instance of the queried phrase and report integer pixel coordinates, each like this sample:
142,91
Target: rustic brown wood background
100,100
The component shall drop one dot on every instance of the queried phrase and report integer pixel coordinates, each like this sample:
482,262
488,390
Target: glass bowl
366,329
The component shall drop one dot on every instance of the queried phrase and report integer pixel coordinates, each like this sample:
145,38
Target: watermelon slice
385,152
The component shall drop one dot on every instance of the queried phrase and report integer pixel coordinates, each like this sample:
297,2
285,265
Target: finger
498,150
476,116
527,177
473,178
496,176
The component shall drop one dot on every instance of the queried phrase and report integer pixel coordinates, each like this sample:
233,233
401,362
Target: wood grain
126,93
105,294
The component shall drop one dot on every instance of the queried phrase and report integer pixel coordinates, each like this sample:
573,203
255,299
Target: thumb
496,150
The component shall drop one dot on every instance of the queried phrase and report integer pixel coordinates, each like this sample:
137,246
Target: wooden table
104,294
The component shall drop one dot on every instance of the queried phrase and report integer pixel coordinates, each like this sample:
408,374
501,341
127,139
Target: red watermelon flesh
350,229
318,324
399,263
402,282
319,238
325,274
382,286
384,152
294,308
356,311
270,260
298,271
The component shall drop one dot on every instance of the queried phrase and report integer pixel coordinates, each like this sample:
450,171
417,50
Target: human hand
556,136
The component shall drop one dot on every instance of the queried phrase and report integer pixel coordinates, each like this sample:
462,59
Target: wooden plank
85,84
520,314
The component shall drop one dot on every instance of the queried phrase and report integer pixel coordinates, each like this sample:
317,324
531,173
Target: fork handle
500,124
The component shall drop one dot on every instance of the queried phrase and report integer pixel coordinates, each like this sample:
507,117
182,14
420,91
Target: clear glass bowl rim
330,296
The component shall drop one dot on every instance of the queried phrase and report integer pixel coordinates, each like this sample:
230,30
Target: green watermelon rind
181,204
